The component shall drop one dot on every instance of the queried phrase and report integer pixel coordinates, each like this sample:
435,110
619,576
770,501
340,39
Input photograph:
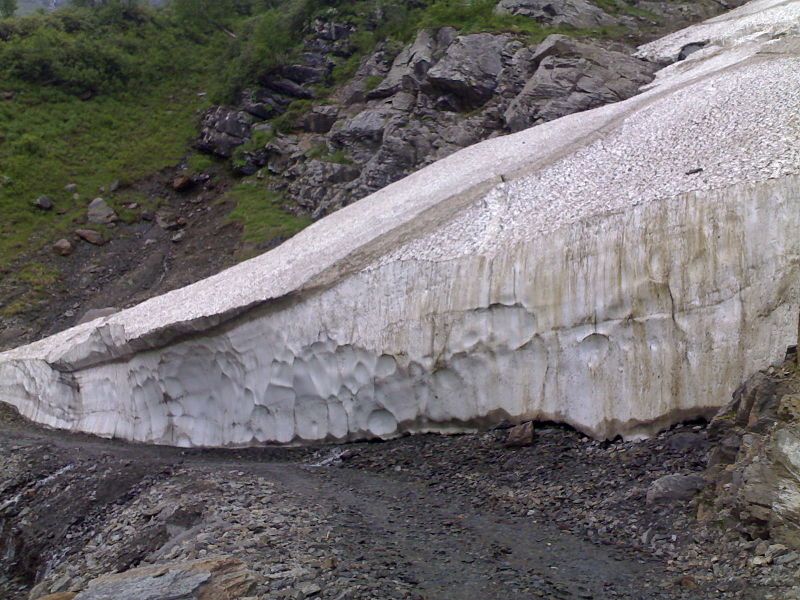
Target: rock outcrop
755,464
617,270
579,14
406,109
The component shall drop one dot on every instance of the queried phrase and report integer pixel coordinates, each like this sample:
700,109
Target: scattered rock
182,183
520,436
44,203
672,488
170,222
100,212
63,247
71,188
91,236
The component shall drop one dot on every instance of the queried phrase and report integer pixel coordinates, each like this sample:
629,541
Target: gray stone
63,247
320,119
574,76
674,488
412,64
520,436
100,212
44,203
91,236
223,129
469,69
213,579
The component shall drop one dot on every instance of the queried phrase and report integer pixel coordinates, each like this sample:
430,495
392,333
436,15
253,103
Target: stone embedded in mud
520,436
100,212
209,579
674,488
63,247
91,236
571,272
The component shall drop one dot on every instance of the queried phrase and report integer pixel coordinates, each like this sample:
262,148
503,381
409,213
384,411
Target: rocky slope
445,91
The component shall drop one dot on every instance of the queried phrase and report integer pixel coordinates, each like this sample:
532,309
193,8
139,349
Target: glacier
617,270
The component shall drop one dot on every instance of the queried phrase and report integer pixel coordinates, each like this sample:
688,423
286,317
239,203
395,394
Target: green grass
37,281
200,163
90,144
143,72
325,154
49,137
261,213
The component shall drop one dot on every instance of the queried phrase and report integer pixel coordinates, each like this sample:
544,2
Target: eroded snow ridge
617,270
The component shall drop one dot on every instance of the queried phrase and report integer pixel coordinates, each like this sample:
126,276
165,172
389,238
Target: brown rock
63,247
182,183
91,236
59,596
520,436
688,582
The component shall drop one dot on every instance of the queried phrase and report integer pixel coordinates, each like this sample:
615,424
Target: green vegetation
7,8
71,113
325,154
261,213
110,90
37,280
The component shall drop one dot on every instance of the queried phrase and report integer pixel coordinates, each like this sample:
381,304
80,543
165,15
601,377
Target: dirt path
416,518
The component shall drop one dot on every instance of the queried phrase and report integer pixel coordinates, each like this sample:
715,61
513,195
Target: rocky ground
142,252
489,515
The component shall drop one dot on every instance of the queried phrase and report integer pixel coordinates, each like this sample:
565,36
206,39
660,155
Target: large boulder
618,270
412,64
469,69
573,76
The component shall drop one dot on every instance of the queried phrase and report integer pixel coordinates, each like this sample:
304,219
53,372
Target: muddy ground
424,517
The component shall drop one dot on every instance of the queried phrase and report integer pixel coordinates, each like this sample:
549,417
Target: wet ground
425,517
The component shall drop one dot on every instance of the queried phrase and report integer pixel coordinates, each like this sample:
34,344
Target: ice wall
617,270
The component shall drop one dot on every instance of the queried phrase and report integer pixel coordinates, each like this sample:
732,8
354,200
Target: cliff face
618,270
